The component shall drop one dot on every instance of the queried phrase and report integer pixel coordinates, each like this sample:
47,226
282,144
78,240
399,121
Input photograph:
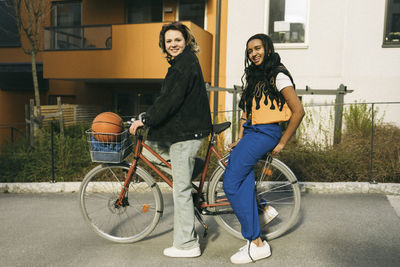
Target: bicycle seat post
213,140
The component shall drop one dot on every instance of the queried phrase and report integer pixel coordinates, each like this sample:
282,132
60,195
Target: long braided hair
259,80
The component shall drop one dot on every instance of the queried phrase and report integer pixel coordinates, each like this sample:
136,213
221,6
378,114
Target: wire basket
109,148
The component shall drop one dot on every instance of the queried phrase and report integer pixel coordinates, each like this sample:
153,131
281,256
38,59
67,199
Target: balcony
113,52
81,37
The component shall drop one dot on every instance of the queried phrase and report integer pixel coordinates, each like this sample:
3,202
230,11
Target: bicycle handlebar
140,116
129,123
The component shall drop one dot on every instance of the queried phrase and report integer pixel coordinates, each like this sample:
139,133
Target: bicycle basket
109,152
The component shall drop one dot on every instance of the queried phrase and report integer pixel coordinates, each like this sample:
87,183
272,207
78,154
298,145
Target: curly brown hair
186,32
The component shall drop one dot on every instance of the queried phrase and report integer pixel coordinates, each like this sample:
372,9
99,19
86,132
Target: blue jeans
239,180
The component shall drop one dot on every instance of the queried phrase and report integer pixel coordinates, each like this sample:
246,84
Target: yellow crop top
265,114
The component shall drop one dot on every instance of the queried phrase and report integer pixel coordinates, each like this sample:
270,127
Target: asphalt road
333,230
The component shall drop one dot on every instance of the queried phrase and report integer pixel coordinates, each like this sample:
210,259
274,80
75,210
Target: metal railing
374,116
77,37
319,128
11,132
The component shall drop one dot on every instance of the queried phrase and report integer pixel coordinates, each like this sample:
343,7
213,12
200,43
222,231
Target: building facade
99,52
325,44
105,53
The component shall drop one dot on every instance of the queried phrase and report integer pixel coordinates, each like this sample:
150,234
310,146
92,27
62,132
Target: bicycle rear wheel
276,186
133,220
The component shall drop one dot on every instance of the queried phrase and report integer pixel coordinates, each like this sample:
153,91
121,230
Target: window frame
387,44
54,8
126,4
177,14
279,46
17,42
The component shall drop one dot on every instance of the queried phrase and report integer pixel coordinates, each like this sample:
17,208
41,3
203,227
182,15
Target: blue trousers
239,180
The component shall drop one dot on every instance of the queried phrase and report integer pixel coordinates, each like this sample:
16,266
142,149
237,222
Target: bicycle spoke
95,196
277,187
274,187
134,218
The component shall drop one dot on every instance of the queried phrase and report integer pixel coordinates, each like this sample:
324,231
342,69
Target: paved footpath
47,229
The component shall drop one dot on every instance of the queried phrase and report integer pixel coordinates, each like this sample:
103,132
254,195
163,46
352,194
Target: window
9,36
136,102
392,27
192,10
66,14
287,21
140,11
66,18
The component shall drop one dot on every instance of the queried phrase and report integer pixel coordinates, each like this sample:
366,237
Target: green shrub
20,162
350,160
310,161
358,119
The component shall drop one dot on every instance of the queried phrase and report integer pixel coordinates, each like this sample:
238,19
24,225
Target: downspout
216,62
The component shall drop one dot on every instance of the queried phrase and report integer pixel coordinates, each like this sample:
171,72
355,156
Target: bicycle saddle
220,127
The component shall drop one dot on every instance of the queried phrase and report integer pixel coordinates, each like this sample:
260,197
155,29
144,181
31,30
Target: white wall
372,70
245,18
344,46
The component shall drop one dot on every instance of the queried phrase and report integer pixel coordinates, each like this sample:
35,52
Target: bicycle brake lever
130,121
140,117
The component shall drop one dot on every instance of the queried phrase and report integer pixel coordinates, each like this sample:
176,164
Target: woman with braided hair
268,98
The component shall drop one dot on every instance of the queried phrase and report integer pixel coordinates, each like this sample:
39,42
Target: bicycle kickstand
201,220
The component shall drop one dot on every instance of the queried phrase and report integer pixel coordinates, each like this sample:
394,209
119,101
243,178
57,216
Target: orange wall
12,106
211,27
134,55
15,54
103,12
12,112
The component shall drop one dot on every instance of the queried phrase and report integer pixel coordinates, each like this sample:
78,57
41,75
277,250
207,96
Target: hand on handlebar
135,125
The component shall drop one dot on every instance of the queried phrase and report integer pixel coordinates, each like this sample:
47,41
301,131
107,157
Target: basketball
107,123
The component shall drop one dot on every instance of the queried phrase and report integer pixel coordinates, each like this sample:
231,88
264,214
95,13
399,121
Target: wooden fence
65,115
51,112
71,114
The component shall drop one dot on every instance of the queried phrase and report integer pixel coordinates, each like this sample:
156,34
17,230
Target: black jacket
182,111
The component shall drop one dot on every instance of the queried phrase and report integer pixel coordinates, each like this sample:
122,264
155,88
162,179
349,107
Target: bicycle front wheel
276,186
141,207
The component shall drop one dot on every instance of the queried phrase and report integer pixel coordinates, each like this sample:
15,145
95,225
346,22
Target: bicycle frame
138,155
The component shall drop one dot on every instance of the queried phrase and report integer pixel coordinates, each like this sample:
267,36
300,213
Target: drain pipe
216,62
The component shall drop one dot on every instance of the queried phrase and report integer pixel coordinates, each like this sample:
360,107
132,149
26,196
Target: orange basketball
107,122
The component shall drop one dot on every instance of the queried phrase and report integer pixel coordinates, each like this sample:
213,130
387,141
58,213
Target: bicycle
121,201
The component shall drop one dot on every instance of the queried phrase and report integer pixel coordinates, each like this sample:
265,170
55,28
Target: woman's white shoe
182,253
254,253
269,213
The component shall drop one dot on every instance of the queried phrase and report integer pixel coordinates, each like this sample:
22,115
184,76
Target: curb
351,187
308,187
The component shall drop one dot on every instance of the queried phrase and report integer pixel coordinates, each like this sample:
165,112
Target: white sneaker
182,253
256,253
268,215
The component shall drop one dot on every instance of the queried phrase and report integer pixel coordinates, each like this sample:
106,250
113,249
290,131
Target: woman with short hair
179,118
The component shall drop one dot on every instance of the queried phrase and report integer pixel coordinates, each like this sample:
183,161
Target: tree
30,17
